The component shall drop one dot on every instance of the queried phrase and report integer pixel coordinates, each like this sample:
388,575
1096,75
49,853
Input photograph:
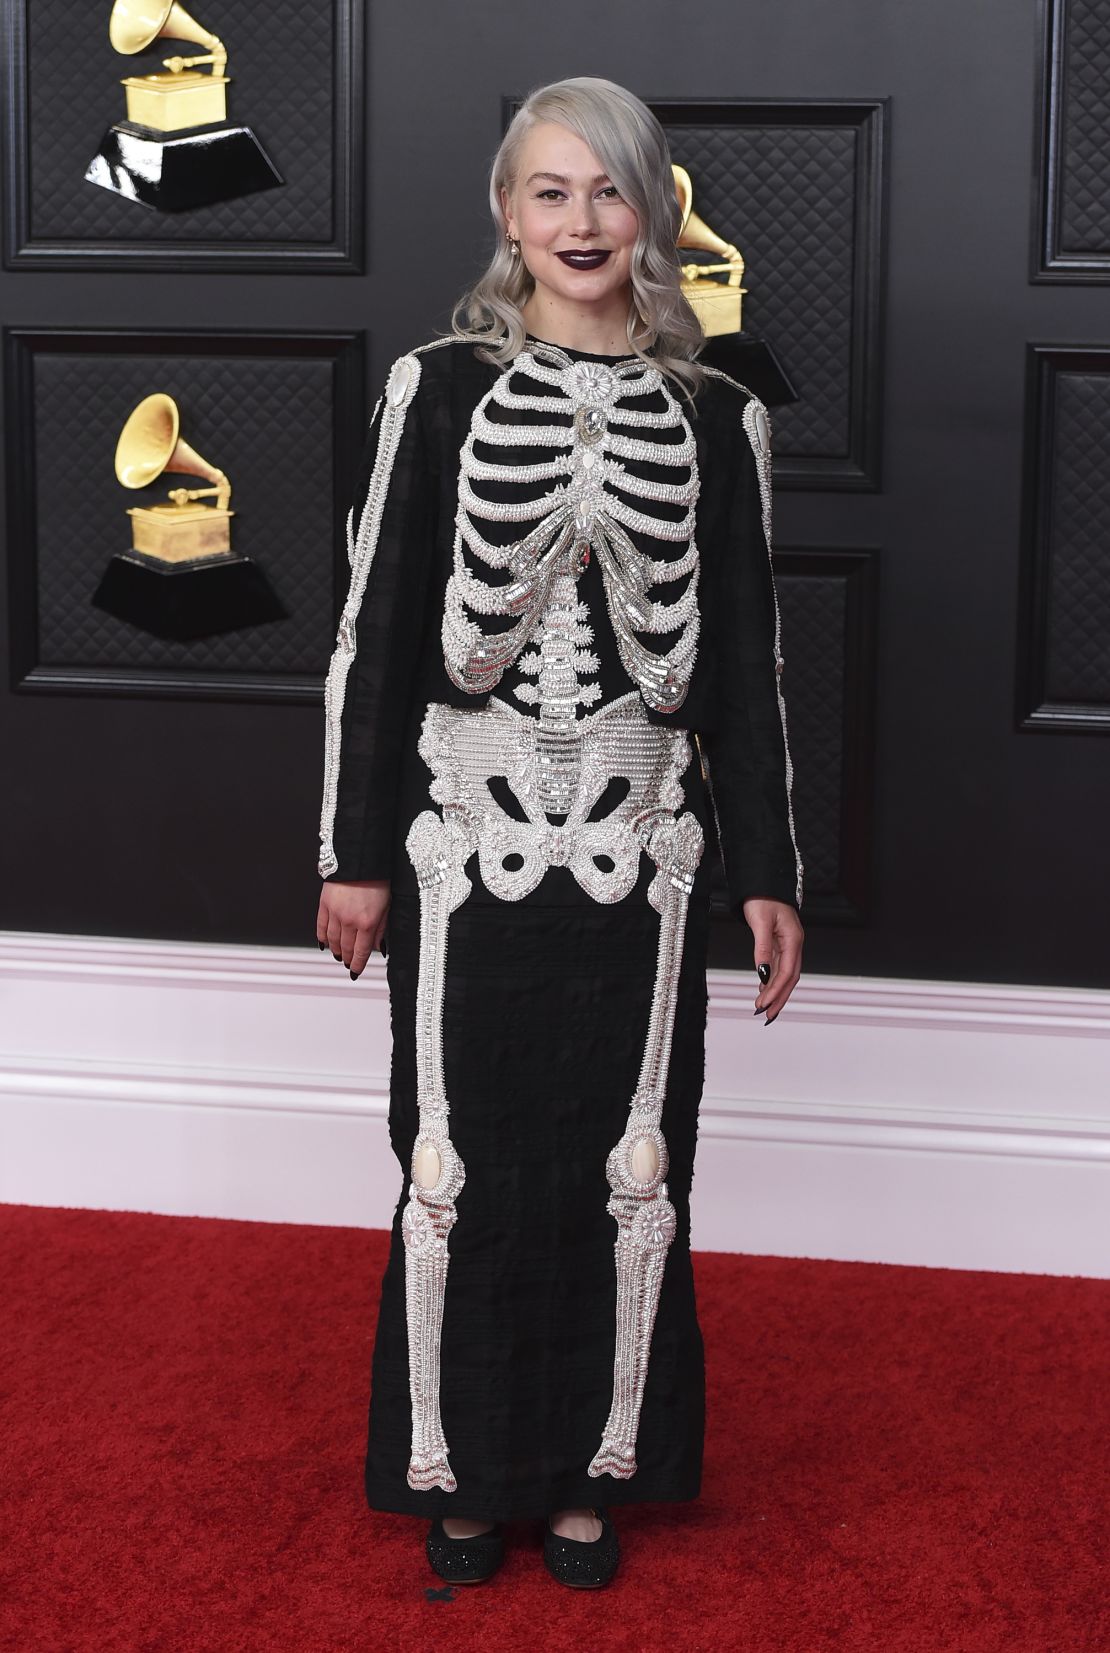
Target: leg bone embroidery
437,850
637,1166
465,750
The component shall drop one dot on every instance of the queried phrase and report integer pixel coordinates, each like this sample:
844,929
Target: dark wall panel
878,179
294,82
1065,663
1072,202
828,602
798,187
69,395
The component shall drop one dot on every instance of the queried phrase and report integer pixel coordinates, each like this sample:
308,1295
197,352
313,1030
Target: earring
514,245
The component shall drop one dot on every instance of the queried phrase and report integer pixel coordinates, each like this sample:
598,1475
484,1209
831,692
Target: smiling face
576,232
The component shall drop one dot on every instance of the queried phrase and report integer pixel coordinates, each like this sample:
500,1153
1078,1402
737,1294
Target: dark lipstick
591,259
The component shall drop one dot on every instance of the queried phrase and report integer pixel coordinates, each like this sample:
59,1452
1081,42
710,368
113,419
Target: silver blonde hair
632,147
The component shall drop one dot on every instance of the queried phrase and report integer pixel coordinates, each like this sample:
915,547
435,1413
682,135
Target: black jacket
733,703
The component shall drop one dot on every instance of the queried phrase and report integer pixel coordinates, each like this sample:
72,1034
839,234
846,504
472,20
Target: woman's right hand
351,920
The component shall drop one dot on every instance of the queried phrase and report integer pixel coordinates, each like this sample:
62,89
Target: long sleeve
750,771
390,534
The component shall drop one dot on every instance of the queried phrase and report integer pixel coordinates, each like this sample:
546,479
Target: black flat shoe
583,1564
464,1560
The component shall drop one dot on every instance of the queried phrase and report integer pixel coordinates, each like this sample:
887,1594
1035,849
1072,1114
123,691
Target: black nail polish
322,946
338,957
353,976
763,971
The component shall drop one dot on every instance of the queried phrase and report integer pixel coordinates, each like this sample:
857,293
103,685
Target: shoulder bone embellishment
578,515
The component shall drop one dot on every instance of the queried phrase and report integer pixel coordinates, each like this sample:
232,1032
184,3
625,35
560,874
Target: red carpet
897,1459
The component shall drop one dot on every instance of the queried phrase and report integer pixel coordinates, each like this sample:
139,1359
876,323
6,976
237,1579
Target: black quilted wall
920,194
813,617
796,190
291,83
1065,680
235,412
1079,602
1074,160
827,602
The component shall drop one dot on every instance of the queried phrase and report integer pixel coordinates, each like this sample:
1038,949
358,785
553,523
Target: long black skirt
546,1010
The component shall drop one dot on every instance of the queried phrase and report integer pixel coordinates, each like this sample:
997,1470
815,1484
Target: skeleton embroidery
465,750
557,761
580,515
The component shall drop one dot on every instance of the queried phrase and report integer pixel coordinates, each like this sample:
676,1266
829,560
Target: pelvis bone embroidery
466,750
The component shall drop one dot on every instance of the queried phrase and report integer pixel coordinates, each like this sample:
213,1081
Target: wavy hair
632,147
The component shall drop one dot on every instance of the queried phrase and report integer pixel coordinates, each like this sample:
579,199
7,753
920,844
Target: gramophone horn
695,232
135,24
684,189
149,444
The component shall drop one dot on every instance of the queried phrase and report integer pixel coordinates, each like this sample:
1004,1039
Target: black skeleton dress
557,673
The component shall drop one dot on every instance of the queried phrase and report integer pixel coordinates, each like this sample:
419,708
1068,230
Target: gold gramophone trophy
176,149
717,305
180,577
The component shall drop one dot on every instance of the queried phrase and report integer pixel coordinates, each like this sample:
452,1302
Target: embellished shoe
579,1562
464,1560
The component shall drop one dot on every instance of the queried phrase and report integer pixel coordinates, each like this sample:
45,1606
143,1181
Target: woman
557,670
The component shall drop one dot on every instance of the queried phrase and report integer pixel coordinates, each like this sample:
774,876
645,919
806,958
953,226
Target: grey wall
968,844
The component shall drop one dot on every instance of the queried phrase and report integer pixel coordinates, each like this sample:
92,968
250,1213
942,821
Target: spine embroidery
559,655
401,386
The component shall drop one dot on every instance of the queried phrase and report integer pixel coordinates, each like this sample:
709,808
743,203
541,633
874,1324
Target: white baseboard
946,1124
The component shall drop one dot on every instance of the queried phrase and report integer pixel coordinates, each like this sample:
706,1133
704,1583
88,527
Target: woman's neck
602,335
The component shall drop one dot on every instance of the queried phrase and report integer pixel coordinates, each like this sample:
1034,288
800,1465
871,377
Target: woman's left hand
778,935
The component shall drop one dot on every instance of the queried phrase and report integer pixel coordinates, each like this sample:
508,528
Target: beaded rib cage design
593,503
